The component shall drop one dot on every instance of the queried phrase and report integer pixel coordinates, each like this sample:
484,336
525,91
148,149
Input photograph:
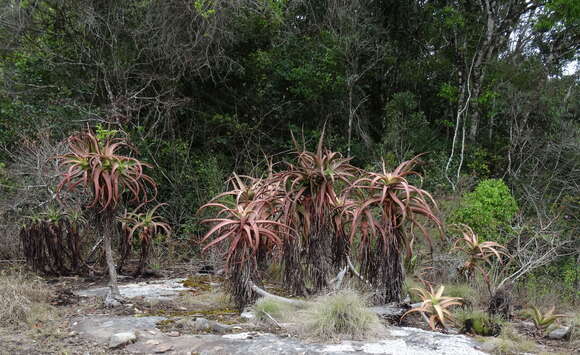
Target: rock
201,324
121,339
218,327
246,314
151,290
173,334
560,333
490,345
162,348
101,328
393,310
111,301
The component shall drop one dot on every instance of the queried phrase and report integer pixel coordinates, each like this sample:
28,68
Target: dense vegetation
204,88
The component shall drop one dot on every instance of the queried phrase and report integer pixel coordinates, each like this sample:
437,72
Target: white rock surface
121,339
150,290
560,333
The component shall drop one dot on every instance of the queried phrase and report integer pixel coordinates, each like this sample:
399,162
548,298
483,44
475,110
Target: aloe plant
477,251
248,235
383,209
309,207
98,168
542,320
146,225
436,306
51,241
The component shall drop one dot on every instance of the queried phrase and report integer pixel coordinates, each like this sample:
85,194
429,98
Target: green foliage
488,210
467,293
478,322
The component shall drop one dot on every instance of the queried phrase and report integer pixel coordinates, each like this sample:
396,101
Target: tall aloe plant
98,168
383,209
309,206
249,233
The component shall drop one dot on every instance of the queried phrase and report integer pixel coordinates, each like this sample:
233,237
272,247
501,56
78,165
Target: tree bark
108,232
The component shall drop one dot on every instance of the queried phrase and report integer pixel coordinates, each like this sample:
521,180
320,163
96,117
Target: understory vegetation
350,153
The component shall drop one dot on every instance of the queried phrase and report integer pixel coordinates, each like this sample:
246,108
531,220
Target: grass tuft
23,300
510,342
267,307
342,314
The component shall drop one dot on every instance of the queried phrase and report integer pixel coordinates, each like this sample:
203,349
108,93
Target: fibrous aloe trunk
383,268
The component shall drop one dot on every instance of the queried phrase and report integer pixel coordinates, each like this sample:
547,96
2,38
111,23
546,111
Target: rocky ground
190,316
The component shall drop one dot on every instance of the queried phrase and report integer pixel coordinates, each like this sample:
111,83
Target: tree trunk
145,246
108,232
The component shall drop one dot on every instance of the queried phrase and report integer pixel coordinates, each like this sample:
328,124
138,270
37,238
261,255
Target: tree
96,166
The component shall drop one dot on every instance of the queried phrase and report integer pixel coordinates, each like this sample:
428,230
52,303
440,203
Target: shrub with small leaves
488,209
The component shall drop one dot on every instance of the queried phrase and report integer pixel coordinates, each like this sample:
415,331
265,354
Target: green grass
469,294
267,307
344,314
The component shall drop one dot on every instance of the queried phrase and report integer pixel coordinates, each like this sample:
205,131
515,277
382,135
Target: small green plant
436,306
342,314
478,322
488,209
542,320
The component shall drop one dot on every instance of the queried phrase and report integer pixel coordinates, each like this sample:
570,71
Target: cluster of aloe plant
51,241
316,214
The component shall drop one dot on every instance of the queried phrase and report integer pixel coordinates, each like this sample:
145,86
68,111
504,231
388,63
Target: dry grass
510,342
215,298
23,300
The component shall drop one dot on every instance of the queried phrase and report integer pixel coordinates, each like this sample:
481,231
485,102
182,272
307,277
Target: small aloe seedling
543,320
436,306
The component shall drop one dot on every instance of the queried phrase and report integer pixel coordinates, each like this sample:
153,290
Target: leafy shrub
488,209
342,314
